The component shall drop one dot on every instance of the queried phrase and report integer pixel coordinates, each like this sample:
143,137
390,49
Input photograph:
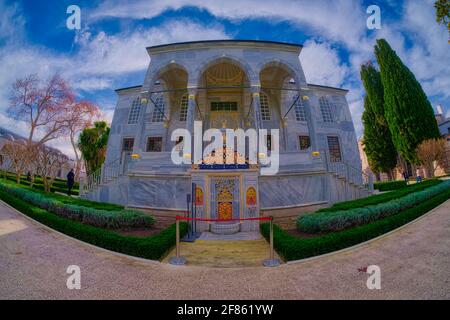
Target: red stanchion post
178,259
271,262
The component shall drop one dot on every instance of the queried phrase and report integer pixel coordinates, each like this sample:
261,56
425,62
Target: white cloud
104,58
100,62
126,52
340,20
93,84
322,65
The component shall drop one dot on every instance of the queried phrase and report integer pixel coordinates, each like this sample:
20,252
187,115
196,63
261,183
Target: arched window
264,102
300,112
159,109
183,107
135,111
325,109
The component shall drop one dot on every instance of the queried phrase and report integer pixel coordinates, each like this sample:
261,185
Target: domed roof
224,73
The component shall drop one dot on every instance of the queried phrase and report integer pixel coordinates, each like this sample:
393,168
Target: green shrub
379,198
291,248
340,220
153,247
390,185
92,216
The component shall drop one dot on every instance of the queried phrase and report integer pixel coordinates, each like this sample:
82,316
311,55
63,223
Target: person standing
418,175
70,181
405,176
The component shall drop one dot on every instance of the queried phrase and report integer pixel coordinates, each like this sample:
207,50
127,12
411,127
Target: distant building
5,164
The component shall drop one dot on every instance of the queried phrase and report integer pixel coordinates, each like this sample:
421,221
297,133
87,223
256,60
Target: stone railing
351,174
105,174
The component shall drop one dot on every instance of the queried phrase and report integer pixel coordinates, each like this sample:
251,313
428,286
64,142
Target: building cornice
317,86
254,44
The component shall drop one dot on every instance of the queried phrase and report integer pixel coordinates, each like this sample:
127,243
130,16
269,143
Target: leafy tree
43,104
92,143
377,139
407,110
17,153
431,153
79,117
50,162
443,13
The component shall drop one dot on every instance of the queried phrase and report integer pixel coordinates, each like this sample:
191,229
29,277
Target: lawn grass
69,200
59,185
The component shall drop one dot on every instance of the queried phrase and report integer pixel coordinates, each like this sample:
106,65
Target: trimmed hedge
380,198
84,202
390,185
154,247
95,217
339,220
293,248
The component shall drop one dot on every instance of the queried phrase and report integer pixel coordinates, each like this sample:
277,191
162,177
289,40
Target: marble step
225,227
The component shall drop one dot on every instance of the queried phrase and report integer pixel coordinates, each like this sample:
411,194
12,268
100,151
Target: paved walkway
247,252
414,262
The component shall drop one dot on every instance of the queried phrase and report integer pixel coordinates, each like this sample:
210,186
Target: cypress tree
377,139
407,110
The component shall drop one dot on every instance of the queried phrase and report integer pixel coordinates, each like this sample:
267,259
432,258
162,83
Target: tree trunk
377,177
77,158
429,171
389,174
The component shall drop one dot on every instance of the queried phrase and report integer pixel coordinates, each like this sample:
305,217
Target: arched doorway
225,94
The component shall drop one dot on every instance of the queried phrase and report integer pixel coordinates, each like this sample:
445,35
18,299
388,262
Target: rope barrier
224,220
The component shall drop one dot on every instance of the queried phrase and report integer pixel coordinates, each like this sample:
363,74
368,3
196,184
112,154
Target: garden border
156,262
361,244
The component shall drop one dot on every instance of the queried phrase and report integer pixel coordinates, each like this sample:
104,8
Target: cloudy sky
108,52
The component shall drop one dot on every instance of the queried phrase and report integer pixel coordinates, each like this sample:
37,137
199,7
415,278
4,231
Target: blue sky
109,50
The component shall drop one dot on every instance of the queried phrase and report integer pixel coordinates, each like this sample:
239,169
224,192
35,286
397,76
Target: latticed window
300,112
325,109
224,106
265,110
159,109
135,111
183,107
334,149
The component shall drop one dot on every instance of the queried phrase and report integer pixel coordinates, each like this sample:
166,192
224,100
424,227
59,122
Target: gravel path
414,262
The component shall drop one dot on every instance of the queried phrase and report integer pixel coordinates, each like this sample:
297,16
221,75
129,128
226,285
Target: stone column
139,145
256,106
310,119
190,118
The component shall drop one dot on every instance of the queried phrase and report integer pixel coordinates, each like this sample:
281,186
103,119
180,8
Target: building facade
229,84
